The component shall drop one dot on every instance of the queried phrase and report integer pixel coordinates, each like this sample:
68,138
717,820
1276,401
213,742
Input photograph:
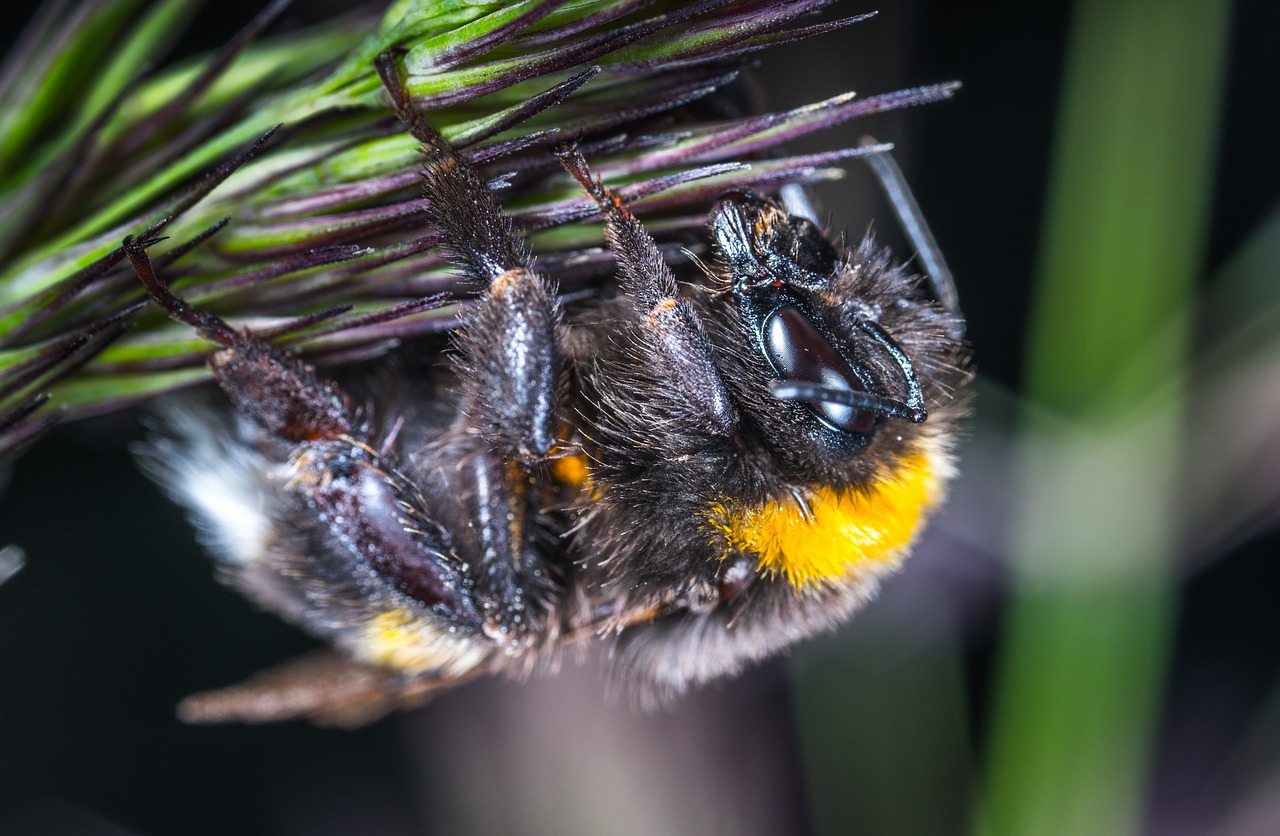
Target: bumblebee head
842,343
844,367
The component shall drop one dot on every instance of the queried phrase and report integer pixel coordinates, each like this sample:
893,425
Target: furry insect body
697,477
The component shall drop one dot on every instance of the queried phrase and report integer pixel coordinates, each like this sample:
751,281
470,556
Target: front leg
670,332
660,426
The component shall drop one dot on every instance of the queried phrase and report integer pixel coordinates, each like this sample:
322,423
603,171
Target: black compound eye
801,354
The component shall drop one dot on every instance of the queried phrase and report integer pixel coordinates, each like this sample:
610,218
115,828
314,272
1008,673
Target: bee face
696,477
778,266
838,377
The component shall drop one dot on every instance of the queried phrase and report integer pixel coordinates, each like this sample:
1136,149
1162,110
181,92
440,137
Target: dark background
116,615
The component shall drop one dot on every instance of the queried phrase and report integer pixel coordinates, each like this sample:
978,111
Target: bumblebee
694,476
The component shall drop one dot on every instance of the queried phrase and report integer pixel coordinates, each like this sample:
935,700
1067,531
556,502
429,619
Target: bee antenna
912,409
792,390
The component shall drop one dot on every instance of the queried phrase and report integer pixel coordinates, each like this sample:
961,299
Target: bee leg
510,369
514,587
670,327
323,687
508,359
278,391
349,549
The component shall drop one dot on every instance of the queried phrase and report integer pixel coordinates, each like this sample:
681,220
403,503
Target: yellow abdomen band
838,530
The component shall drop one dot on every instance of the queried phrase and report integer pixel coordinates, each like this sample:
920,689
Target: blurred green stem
1091,617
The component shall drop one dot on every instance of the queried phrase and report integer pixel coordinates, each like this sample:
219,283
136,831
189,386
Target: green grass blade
1091,618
